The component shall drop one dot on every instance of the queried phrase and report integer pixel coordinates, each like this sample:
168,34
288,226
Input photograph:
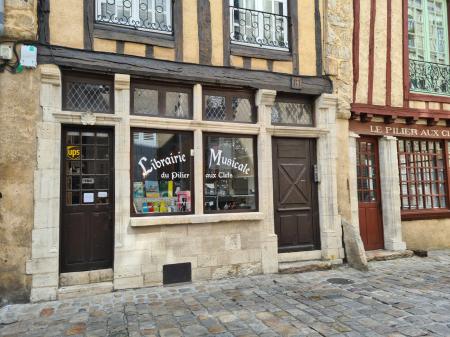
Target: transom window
231,106
292,111
262,23
149,15
423,174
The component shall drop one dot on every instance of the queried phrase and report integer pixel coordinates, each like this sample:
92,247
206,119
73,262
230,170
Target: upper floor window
147,15
261,23
429,46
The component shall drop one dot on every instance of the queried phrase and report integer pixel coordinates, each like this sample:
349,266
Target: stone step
84,290
384,255
303,266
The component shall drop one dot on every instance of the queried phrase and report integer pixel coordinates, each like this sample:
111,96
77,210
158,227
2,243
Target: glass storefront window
230,173
162,172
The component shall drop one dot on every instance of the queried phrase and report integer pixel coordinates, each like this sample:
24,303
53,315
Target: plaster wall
66,23
427,234
20,19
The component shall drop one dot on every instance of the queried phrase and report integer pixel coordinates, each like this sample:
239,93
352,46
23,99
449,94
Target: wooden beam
204,31
141,66
149,50
88,26
178,29
293,29
226,32
43,21
318,32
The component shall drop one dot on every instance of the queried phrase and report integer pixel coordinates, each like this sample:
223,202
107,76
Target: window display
230,173
162,172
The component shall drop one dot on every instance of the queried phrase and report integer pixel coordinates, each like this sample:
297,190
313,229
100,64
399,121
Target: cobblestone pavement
406,297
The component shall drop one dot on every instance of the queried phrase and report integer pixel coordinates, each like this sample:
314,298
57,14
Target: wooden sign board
400,130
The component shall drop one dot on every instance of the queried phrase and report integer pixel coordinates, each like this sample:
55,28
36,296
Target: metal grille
292,113
215,108
428,77
82,96
151,15
264,29
242,110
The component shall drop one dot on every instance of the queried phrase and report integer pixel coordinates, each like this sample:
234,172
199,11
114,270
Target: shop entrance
369,195
295,194
87,199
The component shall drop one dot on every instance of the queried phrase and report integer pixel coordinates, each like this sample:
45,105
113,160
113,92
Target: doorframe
315,196
378,179
64,128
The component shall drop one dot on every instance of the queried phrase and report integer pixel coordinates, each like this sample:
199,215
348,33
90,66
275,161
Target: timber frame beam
168,70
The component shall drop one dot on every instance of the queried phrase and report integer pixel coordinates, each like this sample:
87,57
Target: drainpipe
2,17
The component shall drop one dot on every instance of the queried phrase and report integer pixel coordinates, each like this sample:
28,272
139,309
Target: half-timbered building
399,145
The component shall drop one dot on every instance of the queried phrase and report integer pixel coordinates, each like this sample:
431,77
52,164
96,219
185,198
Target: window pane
215,108
162,172
93,96
242,109
230,177
292,113
177,105
146,101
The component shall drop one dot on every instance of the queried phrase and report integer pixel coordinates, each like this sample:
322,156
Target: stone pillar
330,220
352,180
198,149
264,102
390,194
44,265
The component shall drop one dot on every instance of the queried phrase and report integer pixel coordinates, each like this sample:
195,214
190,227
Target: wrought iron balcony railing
147,15
430,78
262,29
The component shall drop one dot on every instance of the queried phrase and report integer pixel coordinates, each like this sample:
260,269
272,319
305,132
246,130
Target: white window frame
259,7
134,17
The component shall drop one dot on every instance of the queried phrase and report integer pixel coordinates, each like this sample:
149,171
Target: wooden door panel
369,194
295,194
87,202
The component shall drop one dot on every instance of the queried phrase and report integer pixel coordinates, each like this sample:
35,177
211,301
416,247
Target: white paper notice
88,198
102,194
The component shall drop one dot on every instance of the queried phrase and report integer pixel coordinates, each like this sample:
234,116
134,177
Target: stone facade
18,157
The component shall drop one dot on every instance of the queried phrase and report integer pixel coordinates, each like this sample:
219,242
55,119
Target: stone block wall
17,165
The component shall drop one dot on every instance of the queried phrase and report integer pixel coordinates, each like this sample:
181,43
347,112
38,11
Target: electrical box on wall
28,56
6,51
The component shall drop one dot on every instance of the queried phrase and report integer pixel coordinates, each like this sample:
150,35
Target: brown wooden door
369,196
295,194
87,199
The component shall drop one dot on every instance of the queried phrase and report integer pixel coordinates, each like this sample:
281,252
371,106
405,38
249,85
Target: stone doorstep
84,290
384,255
307,266
85,277
300,256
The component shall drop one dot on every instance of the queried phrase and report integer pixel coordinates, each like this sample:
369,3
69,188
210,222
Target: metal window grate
428,77
292,113
87,96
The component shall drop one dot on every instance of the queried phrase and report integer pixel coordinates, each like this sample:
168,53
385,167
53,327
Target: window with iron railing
428,45
260,23
145,15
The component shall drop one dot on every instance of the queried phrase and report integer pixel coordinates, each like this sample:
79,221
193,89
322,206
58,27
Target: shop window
85,92
161,101
423,174
291,111
260,23
230,183
146,15
162,172
229,106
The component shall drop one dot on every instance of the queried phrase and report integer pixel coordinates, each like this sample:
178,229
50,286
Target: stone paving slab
406,297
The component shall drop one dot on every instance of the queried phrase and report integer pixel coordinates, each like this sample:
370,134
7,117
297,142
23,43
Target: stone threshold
84,290
85,277
307,266
384,255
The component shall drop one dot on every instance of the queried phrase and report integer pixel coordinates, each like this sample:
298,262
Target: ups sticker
73,152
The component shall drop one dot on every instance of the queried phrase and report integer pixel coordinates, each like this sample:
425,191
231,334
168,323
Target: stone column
352,180
264,102
198,149
390,194
330,220
44,265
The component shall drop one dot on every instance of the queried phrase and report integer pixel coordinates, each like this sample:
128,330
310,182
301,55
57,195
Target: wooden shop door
295,194
87,199
369,194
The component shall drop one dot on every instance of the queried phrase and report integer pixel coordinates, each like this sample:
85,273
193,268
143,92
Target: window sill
195,219
425,215
264,53
111,32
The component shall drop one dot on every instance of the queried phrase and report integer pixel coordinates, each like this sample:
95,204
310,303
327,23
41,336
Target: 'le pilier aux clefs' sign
400,130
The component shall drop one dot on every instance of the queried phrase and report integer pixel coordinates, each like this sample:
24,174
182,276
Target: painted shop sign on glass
400,130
